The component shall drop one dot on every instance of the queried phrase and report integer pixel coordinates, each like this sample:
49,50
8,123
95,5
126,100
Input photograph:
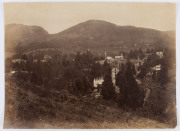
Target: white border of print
2,65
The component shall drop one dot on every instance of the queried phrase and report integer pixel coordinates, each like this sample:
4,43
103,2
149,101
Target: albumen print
104,65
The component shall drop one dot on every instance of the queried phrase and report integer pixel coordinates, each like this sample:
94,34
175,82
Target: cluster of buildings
45,59
114,62
18,61
97,83
120,57
157,68
117,60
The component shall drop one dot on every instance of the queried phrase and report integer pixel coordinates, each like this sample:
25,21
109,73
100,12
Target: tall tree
148,51
106,68
133,69
140,51
122,84
163,75
77,61
97,70
108,89
129,90
142,73
154,75
132,90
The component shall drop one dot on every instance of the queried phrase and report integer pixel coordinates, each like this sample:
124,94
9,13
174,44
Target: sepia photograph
90,65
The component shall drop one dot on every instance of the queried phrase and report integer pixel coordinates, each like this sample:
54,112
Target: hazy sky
55,17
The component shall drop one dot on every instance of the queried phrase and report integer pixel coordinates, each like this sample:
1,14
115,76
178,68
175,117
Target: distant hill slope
103,36
94,34
108,32
18,34
101,31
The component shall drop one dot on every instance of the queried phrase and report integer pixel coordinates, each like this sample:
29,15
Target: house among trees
98,82
157,68
119,57
12,72
160,54
108,58
160,74
46,58
98,87
100,62
18,61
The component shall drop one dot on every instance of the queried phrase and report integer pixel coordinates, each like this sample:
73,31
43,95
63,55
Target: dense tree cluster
153,60
75,72
129,90
135,54
163,74
108,89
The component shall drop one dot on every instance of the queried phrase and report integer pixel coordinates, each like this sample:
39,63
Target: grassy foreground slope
34,107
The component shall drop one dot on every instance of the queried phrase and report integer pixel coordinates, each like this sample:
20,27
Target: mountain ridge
95,34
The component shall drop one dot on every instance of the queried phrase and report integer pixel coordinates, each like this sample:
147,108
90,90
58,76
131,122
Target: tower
105,55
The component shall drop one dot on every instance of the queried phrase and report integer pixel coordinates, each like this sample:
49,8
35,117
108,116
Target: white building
47,57
160,54
109,58
100,62
119,57
157,68
12,72
18,61
98,81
